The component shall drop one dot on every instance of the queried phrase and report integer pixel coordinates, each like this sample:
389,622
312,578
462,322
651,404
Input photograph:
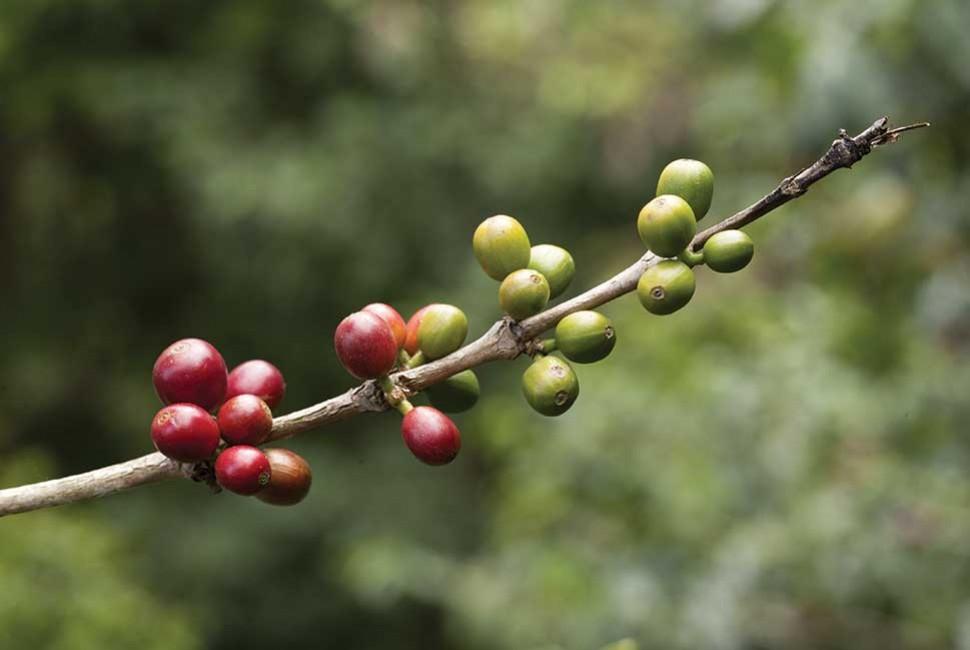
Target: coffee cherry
190,370
290,478
365,345
392,318
523,293
556,264
501,246
585,336
456,394
442,330
245,420
550,386
430,435
666,287
692,181
259,378
411,330
666,225
728,251
185,432
243,469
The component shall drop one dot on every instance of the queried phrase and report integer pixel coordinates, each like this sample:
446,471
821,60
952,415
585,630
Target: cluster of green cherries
530,277
667,225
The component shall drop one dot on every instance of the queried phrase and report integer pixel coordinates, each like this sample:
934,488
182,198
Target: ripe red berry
290,478
259,378
430,435
411,330
392,318
365,345
192,371
185,432
245,420
243,469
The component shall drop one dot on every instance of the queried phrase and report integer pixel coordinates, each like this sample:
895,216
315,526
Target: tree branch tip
891,135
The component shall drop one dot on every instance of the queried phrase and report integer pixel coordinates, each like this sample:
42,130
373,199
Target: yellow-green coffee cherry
728,251
585,336
692,181
556,264
550,386
456,394
501,246
442,330
666,287
523,293
666,225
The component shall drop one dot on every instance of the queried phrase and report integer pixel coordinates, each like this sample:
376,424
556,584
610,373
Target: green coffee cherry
728,251
550,386
585,336
456,394
666,287
556,264
692,181
501,246
442,330
666,225
523,293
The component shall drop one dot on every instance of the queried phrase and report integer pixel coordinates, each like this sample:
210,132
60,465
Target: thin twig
503,340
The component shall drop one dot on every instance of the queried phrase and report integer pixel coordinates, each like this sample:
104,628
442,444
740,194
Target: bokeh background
783,464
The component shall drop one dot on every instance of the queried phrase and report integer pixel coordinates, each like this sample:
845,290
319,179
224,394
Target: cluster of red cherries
374,341
191,378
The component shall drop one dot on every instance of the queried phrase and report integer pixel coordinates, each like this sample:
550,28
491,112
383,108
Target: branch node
532,347
369,396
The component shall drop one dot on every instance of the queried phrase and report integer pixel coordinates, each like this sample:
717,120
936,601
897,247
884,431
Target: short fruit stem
404,407
547,345
403,357
690,258
416,360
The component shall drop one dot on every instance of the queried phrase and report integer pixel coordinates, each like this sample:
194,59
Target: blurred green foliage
783,464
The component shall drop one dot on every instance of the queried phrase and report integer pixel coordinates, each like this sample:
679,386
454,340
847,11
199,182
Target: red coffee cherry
185,432
290,478
392,318
430,435
259,378
365,345
243,469
245,420
411,330
192,371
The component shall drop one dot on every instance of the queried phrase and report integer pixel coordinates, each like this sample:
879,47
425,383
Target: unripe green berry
523,293
666,225
556,264
550,386
456,394
728,251
692,181
666,287
442,330
501,246
585,336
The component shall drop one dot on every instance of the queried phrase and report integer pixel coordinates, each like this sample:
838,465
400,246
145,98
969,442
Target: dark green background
783,464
